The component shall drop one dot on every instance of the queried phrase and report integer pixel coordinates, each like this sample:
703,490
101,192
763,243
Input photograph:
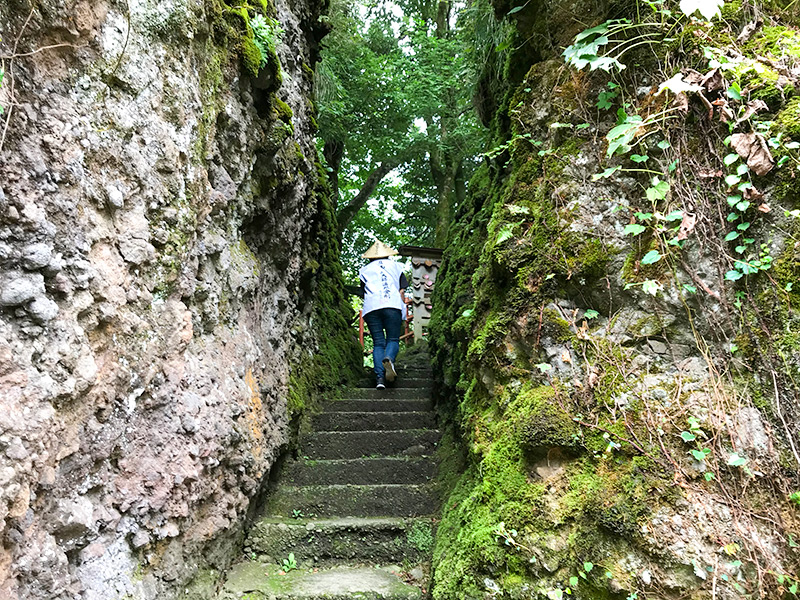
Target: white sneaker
391,374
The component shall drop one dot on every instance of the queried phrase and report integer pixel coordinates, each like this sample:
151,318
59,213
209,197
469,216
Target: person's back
382,283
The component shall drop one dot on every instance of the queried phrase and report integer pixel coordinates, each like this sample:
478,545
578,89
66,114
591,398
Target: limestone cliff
617,327
164,234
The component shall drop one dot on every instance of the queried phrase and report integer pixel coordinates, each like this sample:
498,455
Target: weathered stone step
401,383
360,471
358,444
353,500
398,393
371,405
257,581
373,421
376,540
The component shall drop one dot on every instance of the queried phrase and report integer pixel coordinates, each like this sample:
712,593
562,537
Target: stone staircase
356,510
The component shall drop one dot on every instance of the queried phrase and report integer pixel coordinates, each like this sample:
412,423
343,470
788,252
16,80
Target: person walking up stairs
356,507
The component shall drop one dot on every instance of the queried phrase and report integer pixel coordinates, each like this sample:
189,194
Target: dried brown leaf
753,148
687,225
713,81
764,208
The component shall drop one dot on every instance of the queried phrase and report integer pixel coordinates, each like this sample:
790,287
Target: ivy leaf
675,215
587,566
742,169
658,191
733,275
651,287
732,180
590,314
735,92
701,454
663,144
634,229
733,200
731,236
606,174
730,159
639,158
734,460
688,436
651,257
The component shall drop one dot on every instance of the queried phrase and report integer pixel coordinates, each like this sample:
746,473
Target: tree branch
348,212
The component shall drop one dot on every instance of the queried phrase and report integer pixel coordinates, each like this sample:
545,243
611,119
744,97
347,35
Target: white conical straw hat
379,250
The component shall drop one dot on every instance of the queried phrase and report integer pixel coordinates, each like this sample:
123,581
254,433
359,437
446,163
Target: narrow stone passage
356,510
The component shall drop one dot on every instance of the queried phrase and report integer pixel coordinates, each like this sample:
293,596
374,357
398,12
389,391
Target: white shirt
381,285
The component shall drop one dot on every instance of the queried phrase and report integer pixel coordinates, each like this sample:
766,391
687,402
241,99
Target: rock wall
623,386
163,235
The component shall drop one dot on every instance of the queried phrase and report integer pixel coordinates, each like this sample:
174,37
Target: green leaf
587,566
606,174
467,313
730,159
505,233
734,460
651,257
643,216
708,475
651,287
573,581
700,454
658,191
742,206
639,158
690,288
742,169
732,180
735,92
634,229
688,436
733,275
732,236
544,367
663,144
590,314
740,249
675,215
734,199
732,217
516,9
743,226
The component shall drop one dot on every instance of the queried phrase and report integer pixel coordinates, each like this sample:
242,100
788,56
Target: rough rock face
625,389
157,205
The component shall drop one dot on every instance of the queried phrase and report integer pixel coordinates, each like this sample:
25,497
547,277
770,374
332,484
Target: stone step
395,393
373,421
376,540
360,471
386,405
402,382
258,581
353,501
360,444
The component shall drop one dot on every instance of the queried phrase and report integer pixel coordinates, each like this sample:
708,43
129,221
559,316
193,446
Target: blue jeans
389,320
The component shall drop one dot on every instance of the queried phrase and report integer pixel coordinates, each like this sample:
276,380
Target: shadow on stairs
354,517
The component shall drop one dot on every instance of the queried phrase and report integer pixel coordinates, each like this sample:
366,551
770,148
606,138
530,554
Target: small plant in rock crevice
267,34
290,563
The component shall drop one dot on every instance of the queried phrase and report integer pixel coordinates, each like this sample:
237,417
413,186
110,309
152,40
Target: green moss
541,422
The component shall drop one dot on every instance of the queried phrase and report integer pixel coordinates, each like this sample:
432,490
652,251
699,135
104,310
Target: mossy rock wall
171,301
629,423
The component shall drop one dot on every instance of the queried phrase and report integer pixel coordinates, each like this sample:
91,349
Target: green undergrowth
232,29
